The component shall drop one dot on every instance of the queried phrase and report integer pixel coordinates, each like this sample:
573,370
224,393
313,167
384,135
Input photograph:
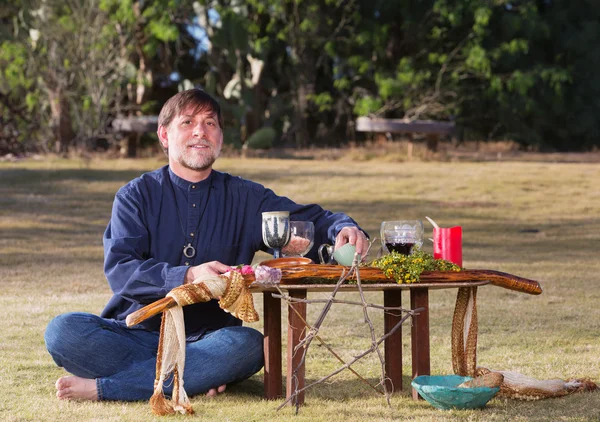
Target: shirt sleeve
327,223
131,271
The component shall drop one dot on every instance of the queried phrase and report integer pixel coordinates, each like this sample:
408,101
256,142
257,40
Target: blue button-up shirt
157,214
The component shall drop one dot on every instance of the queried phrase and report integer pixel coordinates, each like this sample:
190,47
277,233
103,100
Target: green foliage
323,101
502,70
163,30
231,136
478,61
13,60
32,101
233,34
408,268
262,138
342,83
367,105
83,56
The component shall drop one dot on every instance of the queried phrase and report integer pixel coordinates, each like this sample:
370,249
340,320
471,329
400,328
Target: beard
198,160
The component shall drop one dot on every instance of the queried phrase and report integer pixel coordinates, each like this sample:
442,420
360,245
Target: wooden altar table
373,280
419,298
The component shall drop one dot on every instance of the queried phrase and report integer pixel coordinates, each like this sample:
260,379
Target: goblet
401,236
301,240
276,230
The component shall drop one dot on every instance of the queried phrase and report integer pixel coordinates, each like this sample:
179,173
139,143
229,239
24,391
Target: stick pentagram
312,332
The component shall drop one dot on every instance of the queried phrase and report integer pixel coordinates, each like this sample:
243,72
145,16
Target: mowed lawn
539,220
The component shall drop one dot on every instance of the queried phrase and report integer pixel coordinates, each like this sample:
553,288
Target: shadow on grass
333,389
61,204
65,206
28,176
354,388
253,387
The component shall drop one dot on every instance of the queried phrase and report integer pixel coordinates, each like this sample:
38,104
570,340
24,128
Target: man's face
194,141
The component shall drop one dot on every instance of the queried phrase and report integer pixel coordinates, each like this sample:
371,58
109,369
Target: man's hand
210,268
354,236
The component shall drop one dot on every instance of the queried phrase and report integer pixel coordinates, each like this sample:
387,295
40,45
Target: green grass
53,213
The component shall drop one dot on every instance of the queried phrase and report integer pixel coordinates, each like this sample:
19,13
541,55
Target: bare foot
77,388
213,391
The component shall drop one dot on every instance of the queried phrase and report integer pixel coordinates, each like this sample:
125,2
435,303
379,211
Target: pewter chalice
276,230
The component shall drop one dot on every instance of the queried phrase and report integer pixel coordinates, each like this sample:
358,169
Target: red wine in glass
403,248
402,235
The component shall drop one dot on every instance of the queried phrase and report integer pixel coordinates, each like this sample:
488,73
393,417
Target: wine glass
276,230
401,236
302,238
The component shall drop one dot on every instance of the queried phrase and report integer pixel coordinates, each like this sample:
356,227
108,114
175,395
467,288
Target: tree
545,79
17,84
150,42
302,70
62,57
297,39
81,63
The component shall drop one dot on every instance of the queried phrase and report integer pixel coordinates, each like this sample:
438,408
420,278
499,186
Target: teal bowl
442,392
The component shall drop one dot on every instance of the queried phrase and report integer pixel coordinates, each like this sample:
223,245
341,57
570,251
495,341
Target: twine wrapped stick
230,288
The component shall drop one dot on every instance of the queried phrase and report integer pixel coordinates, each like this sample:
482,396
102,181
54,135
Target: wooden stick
288,299
163,304
349,364
497,278
148,311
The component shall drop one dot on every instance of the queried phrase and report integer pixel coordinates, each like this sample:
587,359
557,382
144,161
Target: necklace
188,250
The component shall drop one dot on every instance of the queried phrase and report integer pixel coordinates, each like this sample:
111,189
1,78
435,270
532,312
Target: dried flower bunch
408,268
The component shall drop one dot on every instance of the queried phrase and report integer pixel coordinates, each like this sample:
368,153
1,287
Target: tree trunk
132,143
60,121
305,87
300,114
143,77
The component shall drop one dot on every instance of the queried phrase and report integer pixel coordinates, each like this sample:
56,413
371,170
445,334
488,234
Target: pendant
189,251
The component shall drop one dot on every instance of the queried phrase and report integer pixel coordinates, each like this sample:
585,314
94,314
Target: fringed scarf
234,298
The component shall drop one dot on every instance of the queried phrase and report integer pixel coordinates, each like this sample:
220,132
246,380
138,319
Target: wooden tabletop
309,276
366,287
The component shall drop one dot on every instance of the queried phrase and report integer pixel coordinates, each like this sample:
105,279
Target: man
168,227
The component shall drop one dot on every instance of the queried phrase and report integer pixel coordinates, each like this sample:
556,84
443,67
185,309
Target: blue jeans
123,360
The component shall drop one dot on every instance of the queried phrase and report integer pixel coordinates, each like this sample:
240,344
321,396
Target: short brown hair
197,98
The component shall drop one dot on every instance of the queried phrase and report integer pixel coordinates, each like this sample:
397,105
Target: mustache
202,142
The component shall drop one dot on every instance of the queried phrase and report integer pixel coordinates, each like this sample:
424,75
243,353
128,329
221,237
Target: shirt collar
184,184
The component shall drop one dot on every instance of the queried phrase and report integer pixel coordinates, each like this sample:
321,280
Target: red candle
447,244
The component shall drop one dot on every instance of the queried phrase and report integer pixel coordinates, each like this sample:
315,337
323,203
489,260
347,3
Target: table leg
272,346
393,344
419,298
296,328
